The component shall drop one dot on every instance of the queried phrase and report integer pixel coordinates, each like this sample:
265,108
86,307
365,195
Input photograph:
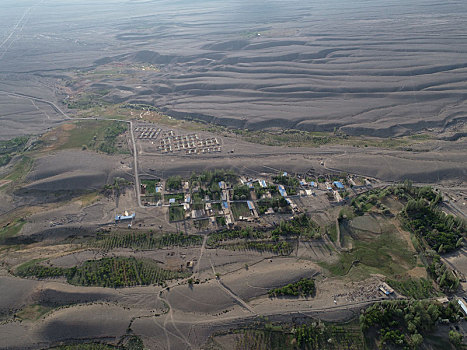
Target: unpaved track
230,293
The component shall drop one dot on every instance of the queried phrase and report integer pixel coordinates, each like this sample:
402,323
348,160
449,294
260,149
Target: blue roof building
225,205
250,205
282,191
262,183
172,200
339,185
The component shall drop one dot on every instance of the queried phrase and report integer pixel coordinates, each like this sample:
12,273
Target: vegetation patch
414,288
173,183
241,192
277,204
240,209
11,229
176,213
33,312
106,272
11,147
404,323
307,336
301,225
145,240
304,288
150,186
278,248
443,233
290,183
444,276
386,254
20,170
97,135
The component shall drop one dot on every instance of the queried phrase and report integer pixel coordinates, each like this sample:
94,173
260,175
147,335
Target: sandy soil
374,70
444,162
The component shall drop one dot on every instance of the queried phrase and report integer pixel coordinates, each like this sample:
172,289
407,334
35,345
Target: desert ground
104,105
384,70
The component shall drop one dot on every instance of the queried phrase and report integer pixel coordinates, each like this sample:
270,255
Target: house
126,217
196,214
338,185
386,289
282,190
462,305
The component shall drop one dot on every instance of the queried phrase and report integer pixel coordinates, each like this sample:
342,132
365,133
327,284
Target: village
218,199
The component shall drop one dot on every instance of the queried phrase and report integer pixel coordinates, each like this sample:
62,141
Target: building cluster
147,132
190,144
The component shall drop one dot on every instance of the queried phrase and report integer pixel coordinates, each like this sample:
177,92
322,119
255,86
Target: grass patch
201,224
331,230
414,288
11,147
33,312
385,254
88,100
11,229
239,209
150,186
97,135
20,170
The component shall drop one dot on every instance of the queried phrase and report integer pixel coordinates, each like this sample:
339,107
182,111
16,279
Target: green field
240,209
176,213
384,253
11,229
150,186
97,135
11,147
20,170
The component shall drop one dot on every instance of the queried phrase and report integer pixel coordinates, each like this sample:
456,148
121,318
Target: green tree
455,338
